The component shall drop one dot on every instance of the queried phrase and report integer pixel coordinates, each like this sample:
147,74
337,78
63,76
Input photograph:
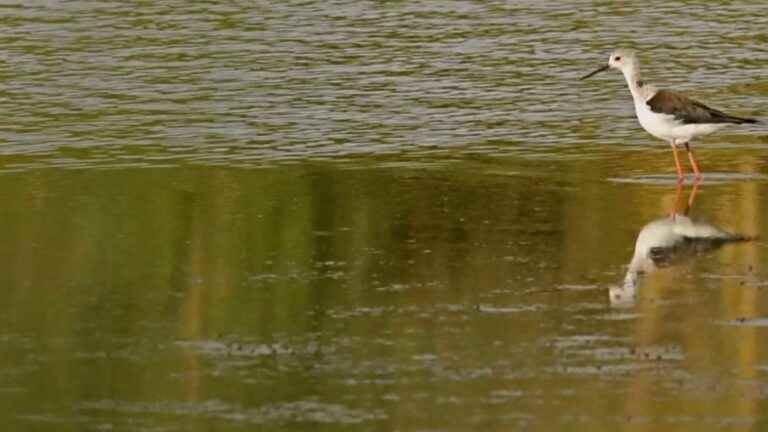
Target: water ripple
259,83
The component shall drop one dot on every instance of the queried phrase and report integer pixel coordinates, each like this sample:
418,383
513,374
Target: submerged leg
694,164
692,197
678,193
677,162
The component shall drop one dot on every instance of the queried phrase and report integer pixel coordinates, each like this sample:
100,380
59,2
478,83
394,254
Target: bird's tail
741,120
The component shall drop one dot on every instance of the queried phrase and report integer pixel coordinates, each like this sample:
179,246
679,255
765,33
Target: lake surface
376,216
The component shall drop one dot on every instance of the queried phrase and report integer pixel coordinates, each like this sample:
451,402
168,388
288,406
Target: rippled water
246,83
376,216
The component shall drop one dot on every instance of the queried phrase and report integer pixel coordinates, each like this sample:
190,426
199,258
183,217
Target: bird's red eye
617,58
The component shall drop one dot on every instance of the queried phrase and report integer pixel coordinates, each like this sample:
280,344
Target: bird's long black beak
595,72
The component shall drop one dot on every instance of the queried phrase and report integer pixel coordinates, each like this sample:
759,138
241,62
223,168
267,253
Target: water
373,216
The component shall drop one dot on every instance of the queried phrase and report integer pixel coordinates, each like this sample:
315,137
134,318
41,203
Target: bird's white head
622,59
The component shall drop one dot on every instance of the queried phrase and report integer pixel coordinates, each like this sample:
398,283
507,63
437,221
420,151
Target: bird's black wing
690,111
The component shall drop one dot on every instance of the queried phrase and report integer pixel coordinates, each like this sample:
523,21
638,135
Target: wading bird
668,115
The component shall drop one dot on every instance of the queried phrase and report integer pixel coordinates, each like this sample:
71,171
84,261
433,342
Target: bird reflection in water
669,241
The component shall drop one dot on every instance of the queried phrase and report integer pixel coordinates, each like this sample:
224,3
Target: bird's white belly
661,126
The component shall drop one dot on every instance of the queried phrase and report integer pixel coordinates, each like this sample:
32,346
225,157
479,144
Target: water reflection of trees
279,253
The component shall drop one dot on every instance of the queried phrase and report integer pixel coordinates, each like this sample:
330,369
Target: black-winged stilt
666,114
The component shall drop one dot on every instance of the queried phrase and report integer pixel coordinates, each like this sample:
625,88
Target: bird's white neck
632,75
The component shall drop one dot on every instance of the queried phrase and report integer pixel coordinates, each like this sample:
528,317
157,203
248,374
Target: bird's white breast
662,126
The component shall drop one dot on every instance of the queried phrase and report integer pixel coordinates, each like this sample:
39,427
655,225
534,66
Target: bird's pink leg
680,177
694,164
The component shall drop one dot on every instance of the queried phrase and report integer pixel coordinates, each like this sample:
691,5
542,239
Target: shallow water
373,216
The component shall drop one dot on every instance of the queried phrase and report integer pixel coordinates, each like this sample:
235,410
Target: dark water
376,216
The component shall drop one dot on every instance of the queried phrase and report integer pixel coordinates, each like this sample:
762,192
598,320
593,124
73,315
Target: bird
666,114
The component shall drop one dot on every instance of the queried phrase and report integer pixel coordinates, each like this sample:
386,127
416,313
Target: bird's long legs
694,164
691,159
679,168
